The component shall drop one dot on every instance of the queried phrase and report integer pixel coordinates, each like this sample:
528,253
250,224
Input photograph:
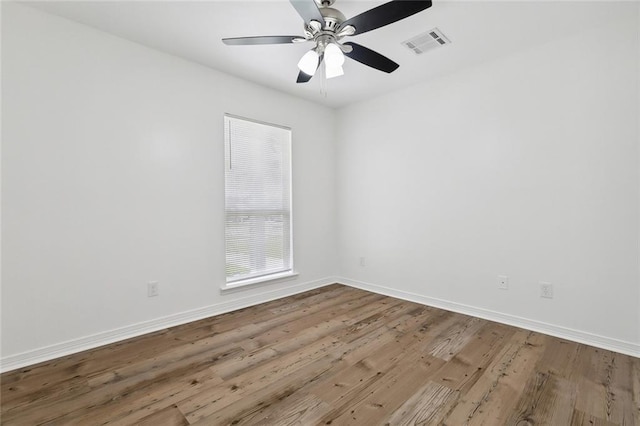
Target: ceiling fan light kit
333,59
326,27
309,62
332,72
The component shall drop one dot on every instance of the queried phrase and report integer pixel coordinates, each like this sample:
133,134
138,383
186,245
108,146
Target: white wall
638,106
112,176
525,166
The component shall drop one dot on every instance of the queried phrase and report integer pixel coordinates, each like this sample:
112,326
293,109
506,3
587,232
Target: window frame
269,276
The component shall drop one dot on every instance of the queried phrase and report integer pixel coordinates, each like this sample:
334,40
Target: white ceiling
479,31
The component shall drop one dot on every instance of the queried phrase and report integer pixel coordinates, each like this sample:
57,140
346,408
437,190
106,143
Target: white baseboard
69,347
627,348
47,353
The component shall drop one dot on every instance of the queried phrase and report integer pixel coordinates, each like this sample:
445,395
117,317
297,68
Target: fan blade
308,10
260,40
385,14
304,78
368,57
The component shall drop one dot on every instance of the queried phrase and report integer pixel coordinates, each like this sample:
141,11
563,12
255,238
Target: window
257,201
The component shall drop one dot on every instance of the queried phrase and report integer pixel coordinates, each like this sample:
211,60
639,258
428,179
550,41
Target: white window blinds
257,199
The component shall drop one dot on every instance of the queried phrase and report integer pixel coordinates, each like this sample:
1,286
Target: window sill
283,276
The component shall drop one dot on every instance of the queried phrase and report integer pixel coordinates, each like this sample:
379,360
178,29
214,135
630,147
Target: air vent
426,41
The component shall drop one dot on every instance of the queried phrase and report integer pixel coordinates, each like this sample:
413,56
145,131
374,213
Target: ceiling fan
326,27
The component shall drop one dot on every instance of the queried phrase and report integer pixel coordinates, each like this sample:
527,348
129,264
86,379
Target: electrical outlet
153,288
503,282
363,261
546,290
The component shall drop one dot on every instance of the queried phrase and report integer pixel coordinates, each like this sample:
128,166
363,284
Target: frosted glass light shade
333,71
333,56
309,62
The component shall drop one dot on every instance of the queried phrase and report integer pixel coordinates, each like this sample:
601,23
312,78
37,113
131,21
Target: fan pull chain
323,81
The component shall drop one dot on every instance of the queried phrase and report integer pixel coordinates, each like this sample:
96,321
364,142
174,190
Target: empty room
308,212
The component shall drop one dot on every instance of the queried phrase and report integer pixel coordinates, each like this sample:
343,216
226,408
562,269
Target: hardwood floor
338,356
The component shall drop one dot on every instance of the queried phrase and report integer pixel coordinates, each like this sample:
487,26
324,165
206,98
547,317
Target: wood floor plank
621,385
559,357
582,419
170,416
365,368
343,312
426,406
270,391
334,355
387,394
546,400
130,377
448,344
635,392
464,370
276,370
607,377
493,397
131,407
303,410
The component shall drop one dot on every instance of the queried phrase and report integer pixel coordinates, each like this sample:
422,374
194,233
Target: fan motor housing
332,18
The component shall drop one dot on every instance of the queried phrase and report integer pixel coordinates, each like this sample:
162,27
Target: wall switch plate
153,288
363,261
503,282
546,290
